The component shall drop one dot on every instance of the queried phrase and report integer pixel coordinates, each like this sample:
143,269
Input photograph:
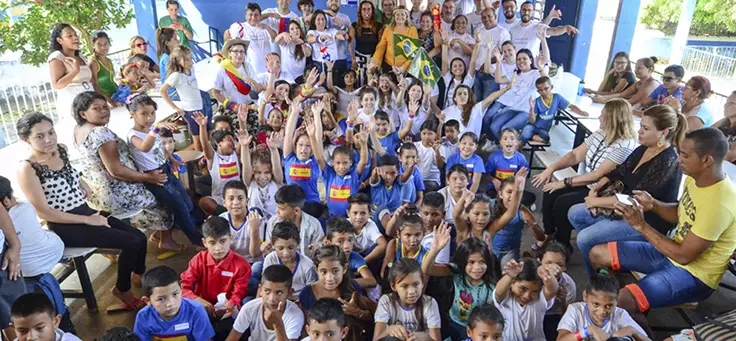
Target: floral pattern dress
122,198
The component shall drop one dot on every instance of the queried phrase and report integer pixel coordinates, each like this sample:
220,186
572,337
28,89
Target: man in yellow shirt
688,266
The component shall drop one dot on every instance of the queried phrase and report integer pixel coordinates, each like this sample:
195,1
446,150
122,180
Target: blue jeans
665,284
508,118
484,85
530,130
175,198
488,118
593,231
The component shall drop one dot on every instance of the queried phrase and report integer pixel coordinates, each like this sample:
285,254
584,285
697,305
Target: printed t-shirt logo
228,170
339,193
300,172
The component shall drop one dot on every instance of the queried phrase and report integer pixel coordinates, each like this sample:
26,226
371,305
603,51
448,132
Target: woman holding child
602,152
116,185
56,191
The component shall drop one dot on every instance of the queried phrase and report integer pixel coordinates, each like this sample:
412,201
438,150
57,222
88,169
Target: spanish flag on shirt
228,170
299,172
503,174
339,193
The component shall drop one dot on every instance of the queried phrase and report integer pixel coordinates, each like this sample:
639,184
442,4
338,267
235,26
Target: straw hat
230,43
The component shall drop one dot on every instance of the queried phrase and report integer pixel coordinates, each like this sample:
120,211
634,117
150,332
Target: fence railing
18,99
708,61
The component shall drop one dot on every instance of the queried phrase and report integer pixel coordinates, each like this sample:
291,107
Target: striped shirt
598,152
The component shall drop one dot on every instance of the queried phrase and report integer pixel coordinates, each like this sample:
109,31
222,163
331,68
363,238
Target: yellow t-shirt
709,213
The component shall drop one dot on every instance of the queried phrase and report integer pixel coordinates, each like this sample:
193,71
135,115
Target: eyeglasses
143,44
619,63
668,78
237,51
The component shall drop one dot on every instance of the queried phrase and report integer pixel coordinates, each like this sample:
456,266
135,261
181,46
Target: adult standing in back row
177,22
524,33
259,36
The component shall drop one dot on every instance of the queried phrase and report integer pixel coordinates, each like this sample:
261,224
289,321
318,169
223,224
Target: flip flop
171,253
136,305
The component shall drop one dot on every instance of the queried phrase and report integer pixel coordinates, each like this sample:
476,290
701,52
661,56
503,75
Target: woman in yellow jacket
384,55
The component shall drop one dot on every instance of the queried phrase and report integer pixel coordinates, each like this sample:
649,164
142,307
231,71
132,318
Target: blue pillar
623,34
147,23
581,44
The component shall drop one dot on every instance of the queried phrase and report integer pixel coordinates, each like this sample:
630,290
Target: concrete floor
91,325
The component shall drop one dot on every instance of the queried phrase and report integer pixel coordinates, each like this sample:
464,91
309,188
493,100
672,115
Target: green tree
711,17
30,33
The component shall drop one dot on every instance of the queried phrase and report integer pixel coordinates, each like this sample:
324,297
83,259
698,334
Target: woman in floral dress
115,184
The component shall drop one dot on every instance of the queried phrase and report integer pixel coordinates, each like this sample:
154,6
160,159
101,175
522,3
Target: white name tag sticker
227,274
181,326
470,165
514,166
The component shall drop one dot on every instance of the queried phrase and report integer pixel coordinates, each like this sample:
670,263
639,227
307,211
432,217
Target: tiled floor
92,325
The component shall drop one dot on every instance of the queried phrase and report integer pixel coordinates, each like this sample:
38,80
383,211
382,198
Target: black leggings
554,211
131,242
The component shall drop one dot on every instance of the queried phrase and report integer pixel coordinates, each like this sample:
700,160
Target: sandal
171,253
134,305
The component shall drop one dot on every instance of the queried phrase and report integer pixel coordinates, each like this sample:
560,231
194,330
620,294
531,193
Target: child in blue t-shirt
387,189
341,178
300,165
543,110
387,137
409,170
184,318
513,216
340,232
467,157
505,162
670,85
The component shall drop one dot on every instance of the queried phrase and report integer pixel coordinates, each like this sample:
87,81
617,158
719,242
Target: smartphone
624,199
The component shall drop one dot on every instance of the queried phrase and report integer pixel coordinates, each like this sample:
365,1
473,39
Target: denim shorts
665,284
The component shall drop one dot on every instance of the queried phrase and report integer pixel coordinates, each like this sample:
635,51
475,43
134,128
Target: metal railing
17,99
708,61
715,102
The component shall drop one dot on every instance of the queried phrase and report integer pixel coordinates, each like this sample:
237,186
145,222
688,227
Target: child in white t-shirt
324,40
369,242
259,35
182,78
264,177
41,249
523,295
397,312
149,155
598,317
284,242
272,312
556,253
429,157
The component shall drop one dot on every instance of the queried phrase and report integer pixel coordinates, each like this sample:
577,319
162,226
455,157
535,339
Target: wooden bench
547,158
534,147
680,309
74,259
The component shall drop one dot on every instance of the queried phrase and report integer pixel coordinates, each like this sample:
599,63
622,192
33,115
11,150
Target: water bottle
581,88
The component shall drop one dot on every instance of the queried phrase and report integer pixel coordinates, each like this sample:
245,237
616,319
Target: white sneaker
488,147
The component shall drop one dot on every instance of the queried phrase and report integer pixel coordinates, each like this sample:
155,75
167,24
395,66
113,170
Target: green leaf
30,33
711,17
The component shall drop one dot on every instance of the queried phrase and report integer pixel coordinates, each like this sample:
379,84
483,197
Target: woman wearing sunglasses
139,45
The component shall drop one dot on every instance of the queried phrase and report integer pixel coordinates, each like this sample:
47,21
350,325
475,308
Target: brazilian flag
424,69
405,46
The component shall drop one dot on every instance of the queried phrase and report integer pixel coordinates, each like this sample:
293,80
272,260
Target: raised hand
441,236
170,126
275,140
555,13
512,268
318,107
497,55
329,64
312,77
520,178
548,271
468,197
414,107
531,103
266,247
200,118
242,116
403,84
244,138
254,220
353,111
512,81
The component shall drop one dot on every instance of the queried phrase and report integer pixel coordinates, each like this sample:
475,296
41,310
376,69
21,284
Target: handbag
608,189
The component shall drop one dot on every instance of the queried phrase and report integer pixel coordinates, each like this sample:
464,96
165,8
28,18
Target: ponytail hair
335,253
399,270
163,36
664,117
648,62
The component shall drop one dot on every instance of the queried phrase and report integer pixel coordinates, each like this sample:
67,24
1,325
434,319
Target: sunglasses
144,44
668,78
